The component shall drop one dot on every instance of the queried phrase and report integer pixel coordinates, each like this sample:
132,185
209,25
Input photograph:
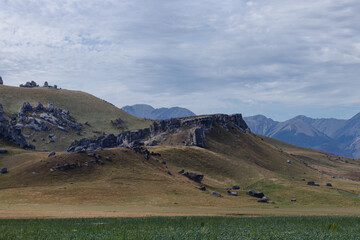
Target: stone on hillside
263,199
168,172
46,84
194,176
293,199
232,193
1,81
312,183
256,193
329,185
181,171
51,154
163,162
216,194
3,150
288,161
3,170
235,187
202,188
108,159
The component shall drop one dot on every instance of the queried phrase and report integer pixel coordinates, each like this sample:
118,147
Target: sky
280,58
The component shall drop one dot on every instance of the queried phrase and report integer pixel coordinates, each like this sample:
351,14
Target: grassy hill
129,185
82,106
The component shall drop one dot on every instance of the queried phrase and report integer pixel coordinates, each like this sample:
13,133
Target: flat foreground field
300,227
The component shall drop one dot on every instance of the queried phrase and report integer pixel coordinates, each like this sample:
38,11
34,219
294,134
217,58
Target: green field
184,228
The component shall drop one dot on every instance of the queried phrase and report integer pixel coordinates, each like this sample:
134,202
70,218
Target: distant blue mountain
337,136
147,111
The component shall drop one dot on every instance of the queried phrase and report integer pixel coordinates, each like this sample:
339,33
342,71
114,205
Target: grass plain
184,228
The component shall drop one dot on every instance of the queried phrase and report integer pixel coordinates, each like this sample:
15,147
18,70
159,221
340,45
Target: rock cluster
31,84
46,84
42,118
196,127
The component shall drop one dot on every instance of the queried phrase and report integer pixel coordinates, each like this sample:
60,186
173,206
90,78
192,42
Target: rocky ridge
195,128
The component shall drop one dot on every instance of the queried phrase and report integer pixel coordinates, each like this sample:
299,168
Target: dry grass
133,186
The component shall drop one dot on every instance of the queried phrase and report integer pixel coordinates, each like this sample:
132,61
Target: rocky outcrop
194,176
10,131
1,81
31,84
42,118
195,127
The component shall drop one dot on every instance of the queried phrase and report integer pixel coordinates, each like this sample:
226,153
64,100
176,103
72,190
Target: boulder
50,107
168,172
181,171
232,193
46,84
293,199
1,81
329,185
235,187
256,193
312,183
26,107
3,150
51,154
202,188
3,170
194,176
216,194
263,199
39,107
288,161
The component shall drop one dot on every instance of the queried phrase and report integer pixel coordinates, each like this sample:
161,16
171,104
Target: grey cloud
206,55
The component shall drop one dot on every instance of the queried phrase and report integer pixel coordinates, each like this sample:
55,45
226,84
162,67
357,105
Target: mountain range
336,136
147,111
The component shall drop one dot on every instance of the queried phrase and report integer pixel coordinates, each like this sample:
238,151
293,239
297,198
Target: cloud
285,57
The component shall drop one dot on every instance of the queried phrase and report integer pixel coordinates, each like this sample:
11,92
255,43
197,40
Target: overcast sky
280,58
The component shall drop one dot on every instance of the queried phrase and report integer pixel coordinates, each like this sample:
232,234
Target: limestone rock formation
31,84
1,81
196,128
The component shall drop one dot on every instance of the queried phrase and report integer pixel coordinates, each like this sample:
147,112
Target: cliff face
193,129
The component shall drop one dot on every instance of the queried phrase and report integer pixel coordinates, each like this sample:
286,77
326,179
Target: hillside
147,111
127,184
83,108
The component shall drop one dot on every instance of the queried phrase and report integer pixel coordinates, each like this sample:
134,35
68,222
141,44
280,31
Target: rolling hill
83,107
126,183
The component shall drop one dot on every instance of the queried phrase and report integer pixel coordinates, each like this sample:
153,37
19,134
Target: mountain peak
147,111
